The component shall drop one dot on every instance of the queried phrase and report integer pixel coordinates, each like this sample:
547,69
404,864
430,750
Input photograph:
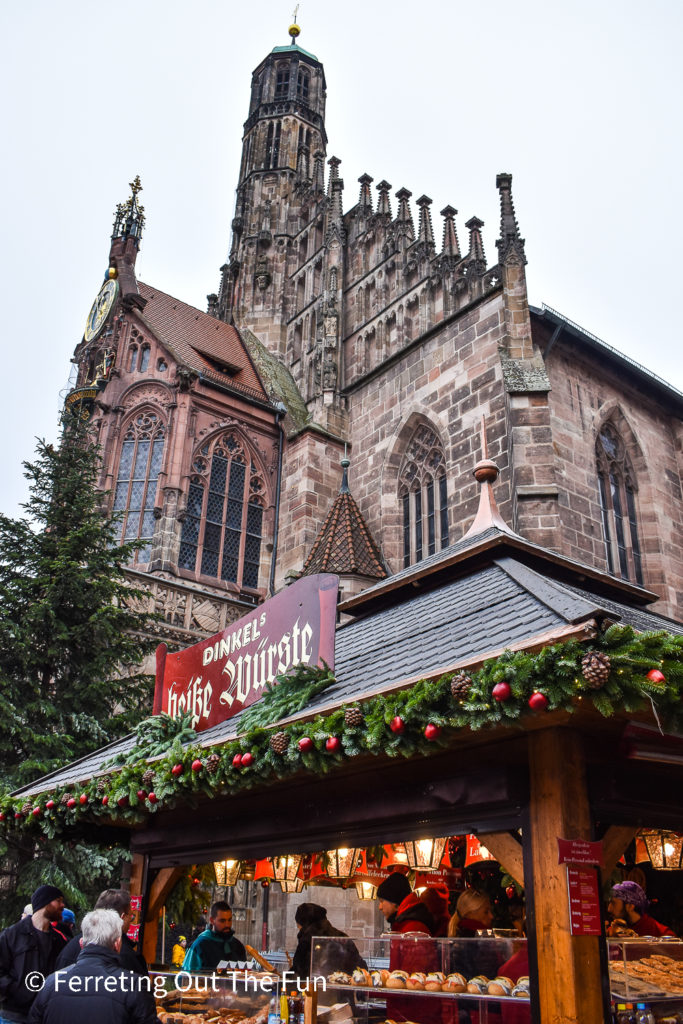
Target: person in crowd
435,898
27,911
131,960
473,913
217,943
311,920
96,988
628,903
65,925
178,952
29,947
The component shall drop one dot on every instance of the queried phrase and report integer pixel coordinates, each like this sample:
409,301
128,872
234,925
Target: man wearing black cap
403,910
28,951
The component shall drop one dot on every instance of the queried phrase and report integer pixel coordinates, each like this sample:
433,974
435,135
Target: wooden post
569,974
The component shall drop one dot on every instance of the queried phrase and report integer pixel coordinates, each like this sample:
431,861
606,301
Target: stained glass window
140,461
223,527
617,492
423,496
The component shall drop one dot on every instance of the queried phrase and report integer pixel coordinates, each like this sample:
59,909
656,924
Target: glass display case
647,973
230,996
411,977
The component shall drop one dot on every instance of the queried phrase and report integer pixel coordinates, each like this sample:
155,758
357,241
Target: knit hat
309,913
394,889
45,894
631,892
68,916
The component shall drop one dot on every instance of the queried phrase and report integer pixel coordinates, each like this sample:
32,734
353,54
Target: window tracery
140,462
223,527
423,496
617,489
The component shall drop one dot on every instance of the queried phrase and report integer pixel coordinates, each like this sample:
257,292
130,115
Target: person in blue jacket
217,943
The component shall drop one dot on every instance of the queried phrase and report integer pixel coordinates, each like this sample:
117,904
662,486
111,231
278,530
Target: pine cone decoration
26,808
65,798
213,763
279,742
353,716
103,783
148,777
595,667
460,685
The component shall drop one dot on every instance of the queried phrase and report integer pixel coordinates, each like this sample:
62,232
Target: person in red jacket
407,915
629,903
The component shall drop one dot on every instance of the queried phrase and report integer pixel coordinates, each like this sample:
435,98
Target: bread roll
455,983
397,979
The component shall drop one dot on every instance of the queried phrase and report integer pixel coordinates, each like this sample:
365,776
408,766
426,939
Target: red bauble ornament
305,744
510,892
177,769
105,801
36,812
265,883
397,724
18,815
83,799
237,761
71,802
142,794
152,797
122,801
197,765
432,731
332,743
247,759
2,815
655,676
538,701
501,691
49,805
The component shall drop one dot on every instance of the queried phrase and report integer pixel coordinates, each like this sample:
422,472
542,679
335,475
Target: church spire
130,216
383,203
365,198
510,246
450,246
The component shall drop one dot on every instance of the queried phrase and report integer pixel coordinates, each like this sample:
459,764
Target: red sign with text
218,677
579,851
584,901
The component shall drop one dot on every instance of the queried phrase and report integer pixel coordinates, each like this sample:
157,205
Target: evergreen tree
70,640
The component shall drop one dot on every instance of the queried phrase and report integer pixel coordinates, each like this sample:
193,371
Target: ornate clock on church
101,308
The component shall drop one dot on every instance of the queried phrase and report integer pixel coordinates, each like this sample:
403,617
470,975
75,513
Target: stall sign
584,901
579,851
133,932
218,677
136,904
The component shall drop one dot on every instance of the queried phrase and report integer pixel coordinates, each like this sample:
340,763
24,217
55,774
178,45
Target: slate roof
201,342
498,604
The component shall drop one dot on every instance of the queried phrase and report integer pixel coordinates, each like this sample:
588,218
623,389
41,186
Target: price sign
584,901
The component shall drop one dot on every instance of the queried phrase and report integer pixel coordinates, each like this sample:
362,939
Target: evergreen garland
180,774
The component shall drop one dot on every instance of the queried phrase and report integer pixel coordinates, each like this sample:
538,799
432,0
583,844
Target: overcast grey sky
581,103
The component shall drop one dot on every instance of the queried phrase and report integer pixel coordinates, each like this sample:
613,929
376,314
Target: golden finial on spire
294,29
135,185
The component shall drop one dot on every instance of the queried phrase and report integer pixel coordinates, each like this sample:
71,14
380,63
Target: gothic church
325,413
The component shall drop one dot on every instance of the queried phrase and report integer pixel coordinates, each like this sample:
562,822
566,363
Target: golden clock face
101,309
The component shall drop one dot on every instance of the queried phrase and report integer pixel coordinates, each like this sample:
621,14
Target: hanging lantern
342,863
366,891
664,849
247,870
425,854
227,871
476,853
397,855
286,869
293,885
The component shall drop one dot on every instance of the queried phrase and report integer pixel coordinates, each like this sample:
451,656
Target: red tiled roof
200,341
344,544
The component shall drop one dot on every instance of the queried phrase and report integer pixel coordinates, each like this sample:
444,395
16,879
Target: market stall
496,689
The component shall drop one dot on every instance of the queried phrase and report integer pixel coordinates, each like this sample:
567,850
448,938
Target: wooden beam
614,842
163,883
569,973
507,851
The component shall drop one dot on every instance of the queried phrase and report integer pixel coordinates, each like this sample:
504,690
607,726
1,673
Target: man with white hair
96,987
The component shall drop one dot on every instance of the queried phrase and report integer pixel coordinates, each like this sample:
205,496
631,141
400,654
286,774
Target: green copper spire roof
293,48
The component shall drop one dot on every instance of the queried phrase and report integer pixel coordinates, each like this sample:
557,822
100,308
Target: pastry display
649,975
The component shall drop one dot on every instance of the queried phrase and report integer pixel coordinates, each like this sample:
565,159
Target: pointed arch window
223,527
423,497
302,84
140,462
282,82
144,358
617,491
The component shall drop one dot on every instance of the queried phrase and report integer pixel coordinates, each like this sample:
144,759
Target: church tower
278,224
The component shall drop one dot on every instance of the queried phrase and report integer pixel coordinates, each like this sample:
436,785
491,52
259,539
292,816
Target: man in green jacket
217,943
